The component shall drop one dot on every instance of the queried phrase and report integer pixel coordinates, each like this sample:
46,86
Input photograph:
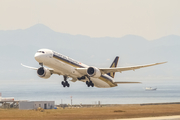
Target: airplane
63,65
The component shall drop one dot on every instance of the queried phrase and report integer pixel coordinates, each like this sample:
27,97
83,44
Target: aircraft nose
37,57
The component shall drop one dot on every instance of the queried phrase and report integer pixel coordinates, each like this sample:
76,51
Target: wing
51,70
29,67
120,69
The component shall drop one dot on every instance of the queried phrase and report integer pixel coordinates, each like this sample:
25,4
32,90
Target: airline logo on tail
113,65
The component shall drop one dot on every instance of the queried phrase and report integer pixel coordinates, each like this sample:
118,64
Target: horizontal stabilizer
126,82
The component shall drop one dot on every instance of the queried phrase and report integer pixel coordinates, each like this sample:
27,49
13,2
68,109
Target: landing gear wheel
92,84
62,82
65,82
89,83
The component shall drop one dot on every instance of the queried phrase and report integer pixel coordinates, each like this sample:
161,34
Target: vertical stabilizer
113,65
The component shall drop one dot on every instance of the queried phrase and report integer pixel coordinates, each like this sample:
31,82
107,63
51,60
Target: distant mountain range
19,46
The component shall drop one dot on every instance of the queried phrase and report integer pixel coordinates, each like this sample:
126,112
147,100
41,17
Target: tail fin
113,65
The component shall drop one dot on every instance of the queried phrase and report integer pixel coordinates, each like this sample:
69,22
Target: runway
176,117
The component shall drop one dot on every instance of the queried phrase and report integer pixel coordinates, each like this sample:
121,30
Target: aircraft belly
99,83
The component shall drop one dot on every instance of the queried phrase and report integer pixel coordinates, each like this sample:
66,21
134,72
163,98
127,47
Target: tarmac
176,117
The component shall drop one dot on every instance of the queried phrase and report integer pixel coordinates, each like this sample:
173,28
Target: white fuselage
66,66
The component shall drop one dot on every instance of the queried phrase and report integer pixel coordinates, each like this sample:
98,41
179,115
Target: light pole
71,100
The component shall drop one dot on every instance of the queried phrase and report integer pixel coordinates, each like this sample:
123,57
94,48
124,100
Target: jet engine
43,73
93,72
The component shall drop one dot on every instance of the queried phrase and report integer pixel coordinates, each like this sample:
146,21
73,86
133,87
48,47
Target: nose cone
37,57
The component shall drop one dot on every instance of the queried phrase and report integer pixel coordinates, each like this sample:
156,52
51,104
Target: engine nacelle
93,72
43,73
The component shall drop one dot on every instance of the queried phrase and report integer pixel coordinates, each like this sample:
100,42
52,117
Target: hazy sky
150,19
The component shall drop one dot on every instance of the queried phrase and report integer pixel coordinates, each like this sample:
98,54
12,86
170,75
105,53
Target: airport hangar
27,105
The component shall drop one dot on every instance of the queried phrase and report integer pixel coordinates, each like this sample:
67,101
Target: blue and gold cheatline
76,64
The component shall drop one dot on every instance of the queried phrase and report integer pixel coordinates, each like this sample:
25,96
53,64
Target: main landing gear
89,83
65,82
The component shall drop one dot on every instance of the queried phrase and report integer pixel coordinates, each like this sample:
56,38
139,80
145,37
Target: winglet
29,67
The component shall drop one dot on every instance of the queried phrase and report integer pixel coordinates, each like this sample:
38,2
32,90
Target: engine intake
93,72
43,73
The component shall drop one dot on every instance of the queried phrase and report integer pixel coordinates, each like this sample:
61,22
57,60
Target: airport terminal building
28,105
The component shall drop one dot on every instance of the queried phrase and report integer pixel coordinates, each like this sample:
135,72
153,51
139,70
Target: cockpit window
40,52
